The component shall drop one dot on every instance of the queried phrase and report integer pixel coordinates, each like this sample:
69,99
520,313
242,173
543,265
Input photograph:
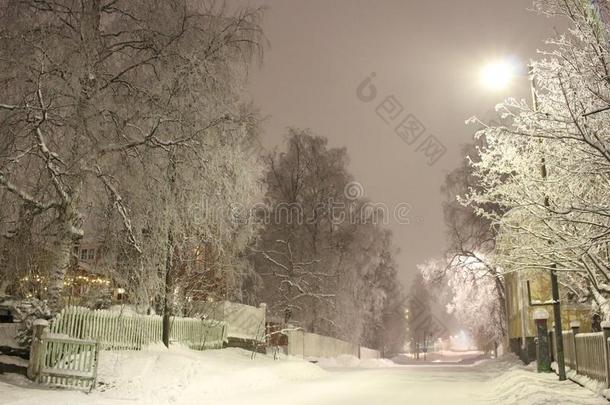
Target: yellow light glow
497,75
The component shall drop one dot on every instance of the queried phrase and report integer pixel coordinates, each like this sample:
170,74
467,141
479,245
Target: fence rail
126,331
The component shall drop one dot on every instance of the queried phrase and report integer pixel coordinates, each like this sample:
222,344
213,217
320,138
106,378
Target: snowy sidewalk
231,377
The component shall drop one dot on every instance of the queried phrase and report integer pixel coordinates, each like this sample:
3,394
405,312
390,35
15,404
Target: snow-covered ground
443,356
231,377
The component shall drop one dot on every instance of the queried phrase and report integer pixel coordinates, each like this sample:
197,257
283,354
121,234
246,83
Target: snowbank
158,376
8,333
14,360
596,386
175,376
513,383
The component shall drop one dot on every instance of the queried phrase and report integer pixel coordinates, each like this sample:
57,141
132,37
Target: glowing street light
497,75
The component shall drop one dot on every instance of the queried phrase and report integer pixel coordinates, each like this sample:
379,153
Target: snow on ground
596,386
8,331
232,377
515,384
348,361
443,356
14,360
161,376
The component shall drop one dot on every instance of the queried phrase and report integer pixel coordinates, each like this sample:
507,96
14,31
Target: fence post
37,348
575,326
606,332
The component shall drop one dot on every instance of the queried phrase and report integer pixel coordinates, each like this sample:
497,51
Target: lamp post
497,76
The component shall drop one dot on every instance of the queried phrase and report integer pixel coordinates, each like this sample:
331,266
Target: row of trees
118,119
125,122
534,195
323,261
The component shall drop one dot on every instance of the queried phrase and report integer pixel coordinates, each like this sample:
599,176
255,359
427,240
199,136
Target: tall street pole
558,330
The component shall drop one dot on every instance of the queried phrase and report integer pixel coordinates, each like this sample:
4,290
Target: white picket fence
127,331
67,362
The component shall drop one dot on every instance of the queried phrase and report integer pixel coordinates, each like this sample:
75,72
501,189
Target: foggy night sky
426,53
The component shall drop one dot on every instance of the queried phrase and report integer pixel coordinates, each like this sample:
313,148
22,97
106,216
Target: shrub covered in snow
26,311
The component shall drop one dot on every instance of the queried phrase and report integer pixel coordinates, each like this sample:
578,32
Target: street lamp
497,76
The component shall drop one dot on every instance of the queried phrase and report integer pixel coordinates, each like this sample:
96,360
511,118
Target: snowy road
413,385
454,385
232,377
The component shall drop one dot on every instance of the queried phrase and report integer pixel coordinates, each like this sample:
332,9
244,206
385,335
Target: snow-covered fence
60,360
590,355
586,353
116,330
68,362
366,353
244,321
305,344
569,349
296,342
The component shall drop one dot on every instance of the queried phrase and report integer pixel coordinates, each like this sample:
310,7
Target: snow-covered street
231,376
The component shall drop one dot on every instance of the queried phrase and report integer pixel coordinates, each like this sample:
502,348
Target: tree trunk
167,299
601,301
62,256
169,258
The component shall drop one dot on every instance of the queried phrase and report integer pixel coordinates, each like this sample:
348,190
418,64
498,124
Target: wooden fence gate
68,362
61,361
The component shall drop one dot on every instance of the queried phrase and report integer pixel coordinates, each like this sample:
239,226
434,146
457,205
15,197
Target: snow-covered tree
543,177
467,277
323,261
88,86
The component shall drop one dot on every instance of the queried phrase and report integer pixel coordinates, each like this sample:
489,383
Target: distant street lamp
497,76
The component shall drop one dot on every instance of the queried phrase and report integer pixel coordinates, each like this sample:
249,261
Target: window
91,254
83,254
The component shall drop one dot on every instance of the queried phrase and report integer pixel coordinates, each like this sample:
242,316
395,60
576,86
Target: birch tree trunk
62,246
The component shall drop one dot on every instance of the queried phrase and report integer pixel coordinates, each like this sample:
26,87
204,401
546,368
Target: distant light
497,75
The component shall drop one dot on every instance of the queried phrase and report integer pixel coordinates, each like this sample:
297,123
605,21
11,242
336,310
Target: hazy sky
427,54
